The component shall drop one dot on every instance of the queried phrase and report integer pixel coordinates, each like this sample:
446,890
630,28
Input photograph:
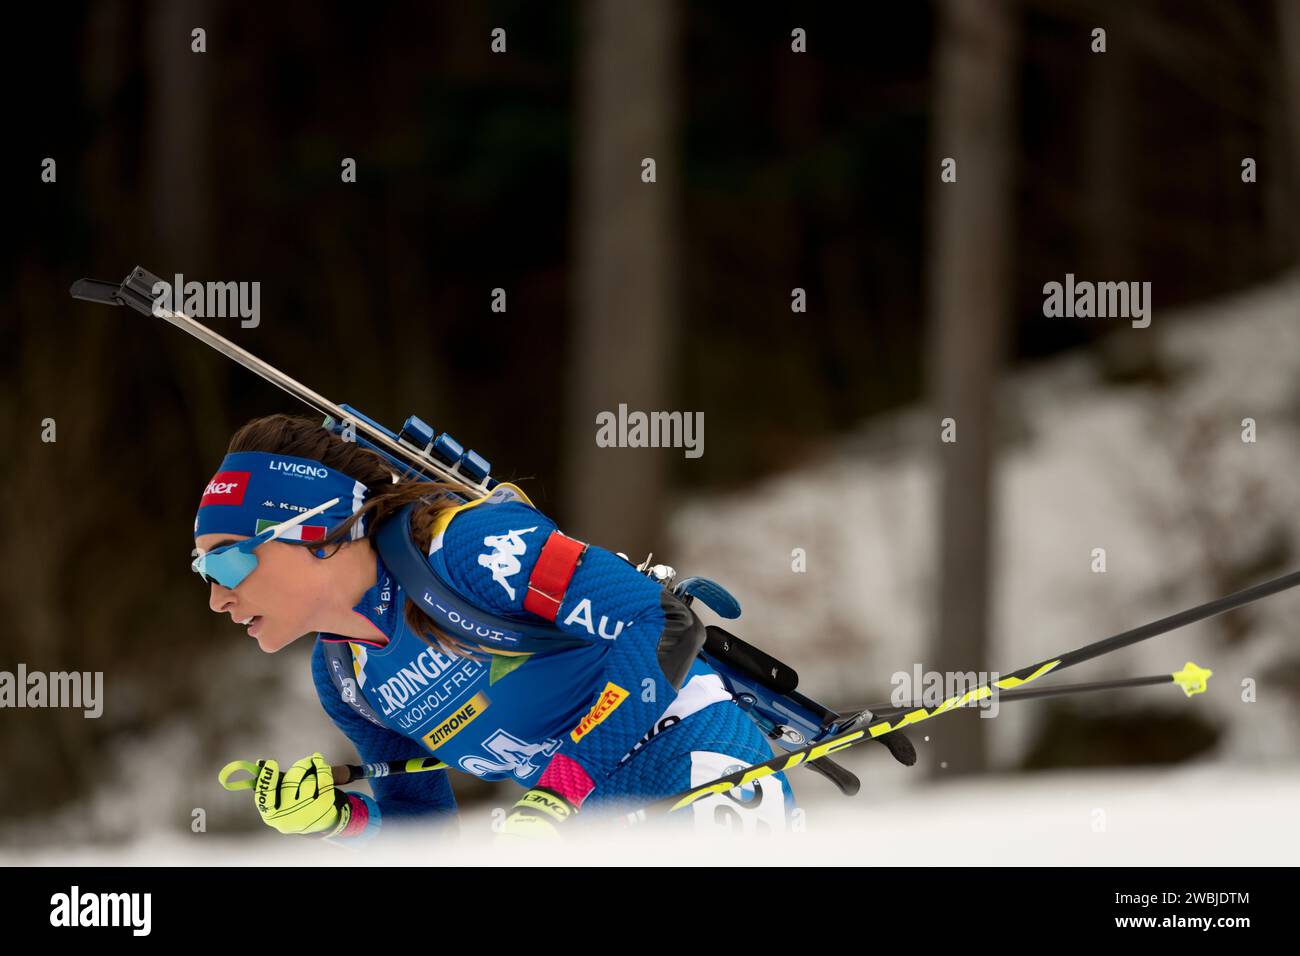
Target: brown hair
303,437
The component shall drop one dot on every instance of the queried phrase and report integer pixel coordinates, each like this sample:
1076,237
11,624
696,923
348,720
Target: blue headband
253,490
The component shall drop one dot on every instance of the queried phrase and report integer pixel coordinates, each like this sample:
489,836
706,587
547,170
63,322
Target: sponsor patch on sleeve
606,704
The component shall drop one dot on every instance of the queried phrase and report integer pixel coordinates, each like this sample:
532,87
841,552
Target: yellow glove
304,800
536,816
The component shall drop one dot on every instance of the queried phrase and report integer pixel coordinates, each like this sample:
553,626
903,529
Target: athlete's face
281,595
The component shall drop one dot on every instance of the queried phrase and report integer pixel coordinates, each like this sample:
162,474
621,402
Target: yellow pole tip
1192,678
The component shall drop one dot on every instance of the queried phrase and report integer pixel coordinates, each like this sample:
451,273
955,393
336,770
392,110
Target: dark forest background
520,171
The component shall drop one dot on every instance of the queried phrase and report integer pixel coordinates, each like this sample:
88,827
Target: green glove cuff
546,803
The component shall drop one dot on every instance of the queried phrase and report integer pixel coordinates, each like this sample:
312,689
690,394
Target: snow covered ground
1184,817
1159,477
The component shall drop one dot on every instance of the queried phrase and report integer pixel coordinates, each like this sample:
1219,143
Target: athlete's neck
356,574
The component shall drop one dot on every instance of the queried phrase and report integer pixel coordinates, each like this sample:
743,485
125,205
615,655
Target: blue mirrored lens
227,566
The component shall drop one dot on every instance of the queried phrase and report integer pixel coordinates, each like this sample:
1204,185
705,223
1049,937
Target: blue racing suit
600,723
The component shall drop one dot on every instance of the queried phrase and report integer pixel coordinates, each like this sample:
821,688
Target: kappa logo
225,488
503,559
606,704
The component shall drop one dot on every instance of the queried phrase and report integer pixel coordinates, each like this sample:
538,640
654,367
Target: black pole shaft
1166,624
867,726
1028,693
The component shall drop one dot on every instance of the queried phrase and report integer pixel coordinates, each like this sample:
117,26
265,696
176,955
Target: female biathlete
625,714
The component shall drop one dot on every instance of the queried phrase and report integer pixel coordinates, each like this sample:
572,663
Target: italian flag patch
302,532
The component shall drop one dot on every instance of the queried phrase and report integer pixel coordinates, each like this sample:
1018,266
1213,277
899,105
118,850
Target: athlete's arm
491,551
635,691
401,796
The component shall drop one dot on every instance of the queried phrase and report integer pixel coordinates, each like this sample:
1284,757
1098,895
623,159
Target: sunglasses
229,564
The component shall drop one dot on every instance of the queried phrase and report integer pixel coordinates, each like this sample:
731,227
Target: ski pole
1192,679
865,726
342,773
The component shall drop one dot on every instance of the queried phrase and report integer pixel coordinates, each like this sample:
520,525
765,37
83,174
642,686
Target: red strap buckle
552,574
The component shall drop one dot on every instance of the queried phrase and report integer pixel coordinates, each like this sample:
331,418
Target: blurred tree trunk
1108,200
67,376
1113,189
1110,197
624,309
178,188
970,234
1288,18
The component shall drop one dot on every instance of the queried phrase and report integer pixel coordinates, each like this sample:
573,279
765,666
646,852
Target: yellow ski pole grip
234,767
342,774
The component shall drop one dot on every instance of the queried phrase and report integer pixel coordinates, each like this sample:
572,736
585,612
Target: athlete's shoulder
506,501
489,546
506,512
